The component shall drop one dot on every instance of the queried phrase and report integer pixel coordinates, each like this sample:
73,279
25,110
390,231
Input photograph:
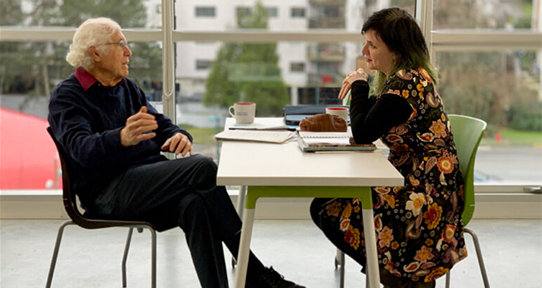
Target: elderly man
114,138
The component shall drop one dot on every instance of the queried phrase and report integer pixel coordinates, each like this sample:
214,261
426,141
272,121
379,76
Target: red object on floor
28,156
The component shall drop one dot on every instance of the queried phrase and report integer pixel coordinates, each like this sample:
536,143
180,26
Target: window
205,12
203,64
297,12
272,12
159,8
503,89
511,63
486,14
243,11
297,67
489,55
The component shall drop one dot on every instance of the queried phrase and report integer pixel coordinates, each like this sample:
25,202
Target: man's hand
351,78
138,127
178,144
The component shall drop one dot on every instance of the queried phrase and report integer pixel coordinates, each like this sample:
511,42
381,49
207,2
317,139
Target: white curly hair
92,32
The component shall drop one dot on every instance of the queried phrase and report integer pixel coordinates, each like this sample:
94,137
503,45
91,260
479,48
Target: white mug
243,112
339,111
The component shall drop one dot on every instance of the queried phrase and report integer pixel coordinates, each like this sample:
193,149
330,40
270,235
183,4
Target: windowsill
43,192
492,202
482,188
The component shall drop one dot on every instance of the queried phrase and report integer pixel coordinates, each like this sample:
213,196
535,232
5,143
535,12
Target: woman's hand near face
351,78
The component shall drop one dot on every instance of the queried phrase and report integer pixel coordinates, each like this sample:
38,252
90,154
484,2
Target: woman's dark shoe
272,279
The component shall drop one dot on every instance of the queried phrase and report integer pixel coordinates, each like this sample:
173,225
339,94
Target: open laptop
293,114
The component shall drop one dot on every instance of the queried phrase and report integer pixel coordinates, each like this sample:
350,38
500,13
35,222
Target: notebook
330,141
269,136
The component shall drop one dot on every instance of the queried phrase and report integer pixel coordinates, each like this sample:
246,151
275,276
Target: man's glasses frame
121,44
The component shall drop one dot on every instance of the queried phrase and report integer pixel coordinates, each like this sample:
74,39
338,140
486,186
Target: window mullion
168,67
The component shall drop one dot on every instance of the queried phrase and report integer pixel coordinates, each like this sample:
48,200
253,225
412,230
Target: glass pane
272,75
29,73
491,14
299,15
502,88
71,13
214,75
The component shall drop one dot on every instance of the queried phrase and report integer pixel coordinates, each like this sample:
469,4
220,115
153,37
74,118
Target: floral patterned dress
418,226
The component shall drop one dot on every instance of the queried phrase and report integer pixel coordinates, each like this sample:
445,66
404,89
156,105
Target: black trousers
182,192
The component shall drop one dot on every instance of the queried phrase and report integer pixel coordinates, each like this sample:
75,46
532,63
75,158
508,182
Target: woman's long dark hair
400,32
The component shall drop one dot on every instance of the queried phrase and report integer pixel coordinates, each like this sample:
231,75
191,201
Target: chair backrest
68,197
70,201
468,133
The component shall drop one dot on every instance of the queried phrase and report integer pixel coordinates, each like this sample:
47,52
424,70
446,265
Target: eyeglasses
122,44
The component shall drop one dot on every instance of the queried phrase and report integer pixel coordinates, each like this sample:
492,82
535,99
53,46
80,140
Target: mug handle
229,110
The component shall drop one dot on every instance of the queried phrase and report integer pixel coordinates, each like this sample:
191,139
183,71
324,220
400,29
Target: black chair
77,218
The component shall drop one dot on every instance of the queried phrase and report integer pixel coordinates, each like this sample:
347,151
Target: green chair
468,133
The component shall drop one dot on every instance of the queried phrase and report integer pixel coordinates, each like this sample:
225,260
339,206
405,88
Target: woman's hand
351,78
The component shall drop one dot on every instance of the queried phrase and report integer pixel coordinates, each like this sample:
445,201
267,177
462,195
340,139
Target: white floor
296,248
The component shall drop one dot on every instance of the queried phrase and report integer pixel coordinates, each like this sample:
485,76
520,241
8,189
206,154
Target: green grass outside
511,137
202,135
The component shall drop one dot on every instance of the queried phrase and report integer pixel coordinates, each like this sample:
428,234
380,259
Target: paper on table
260,126
257,136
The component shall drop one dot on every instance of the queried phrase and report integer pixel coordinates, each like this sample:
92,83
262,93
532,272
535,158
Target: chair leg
479,256
125,257
153,253
55,253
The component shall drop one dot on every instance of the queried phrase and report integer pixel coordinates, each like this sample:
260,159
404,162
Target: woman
418,226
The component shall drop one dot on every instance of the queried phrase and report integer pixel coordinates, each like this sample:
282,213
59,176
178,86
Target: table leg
241,201
370,245
244,248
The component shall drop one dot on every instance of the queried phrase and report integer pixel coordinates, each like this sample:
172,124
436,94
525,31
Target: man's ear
93,52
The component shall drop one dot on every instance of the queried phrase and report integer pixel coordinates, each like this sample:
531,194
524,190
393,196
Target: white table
283,170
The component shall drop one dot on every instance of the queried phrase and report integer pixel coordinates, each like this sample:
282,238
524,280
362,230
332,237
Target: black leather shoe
272,279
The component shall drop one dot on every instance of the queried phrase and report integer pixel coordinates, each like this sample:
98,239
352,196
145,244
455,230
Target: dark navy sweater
86,119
